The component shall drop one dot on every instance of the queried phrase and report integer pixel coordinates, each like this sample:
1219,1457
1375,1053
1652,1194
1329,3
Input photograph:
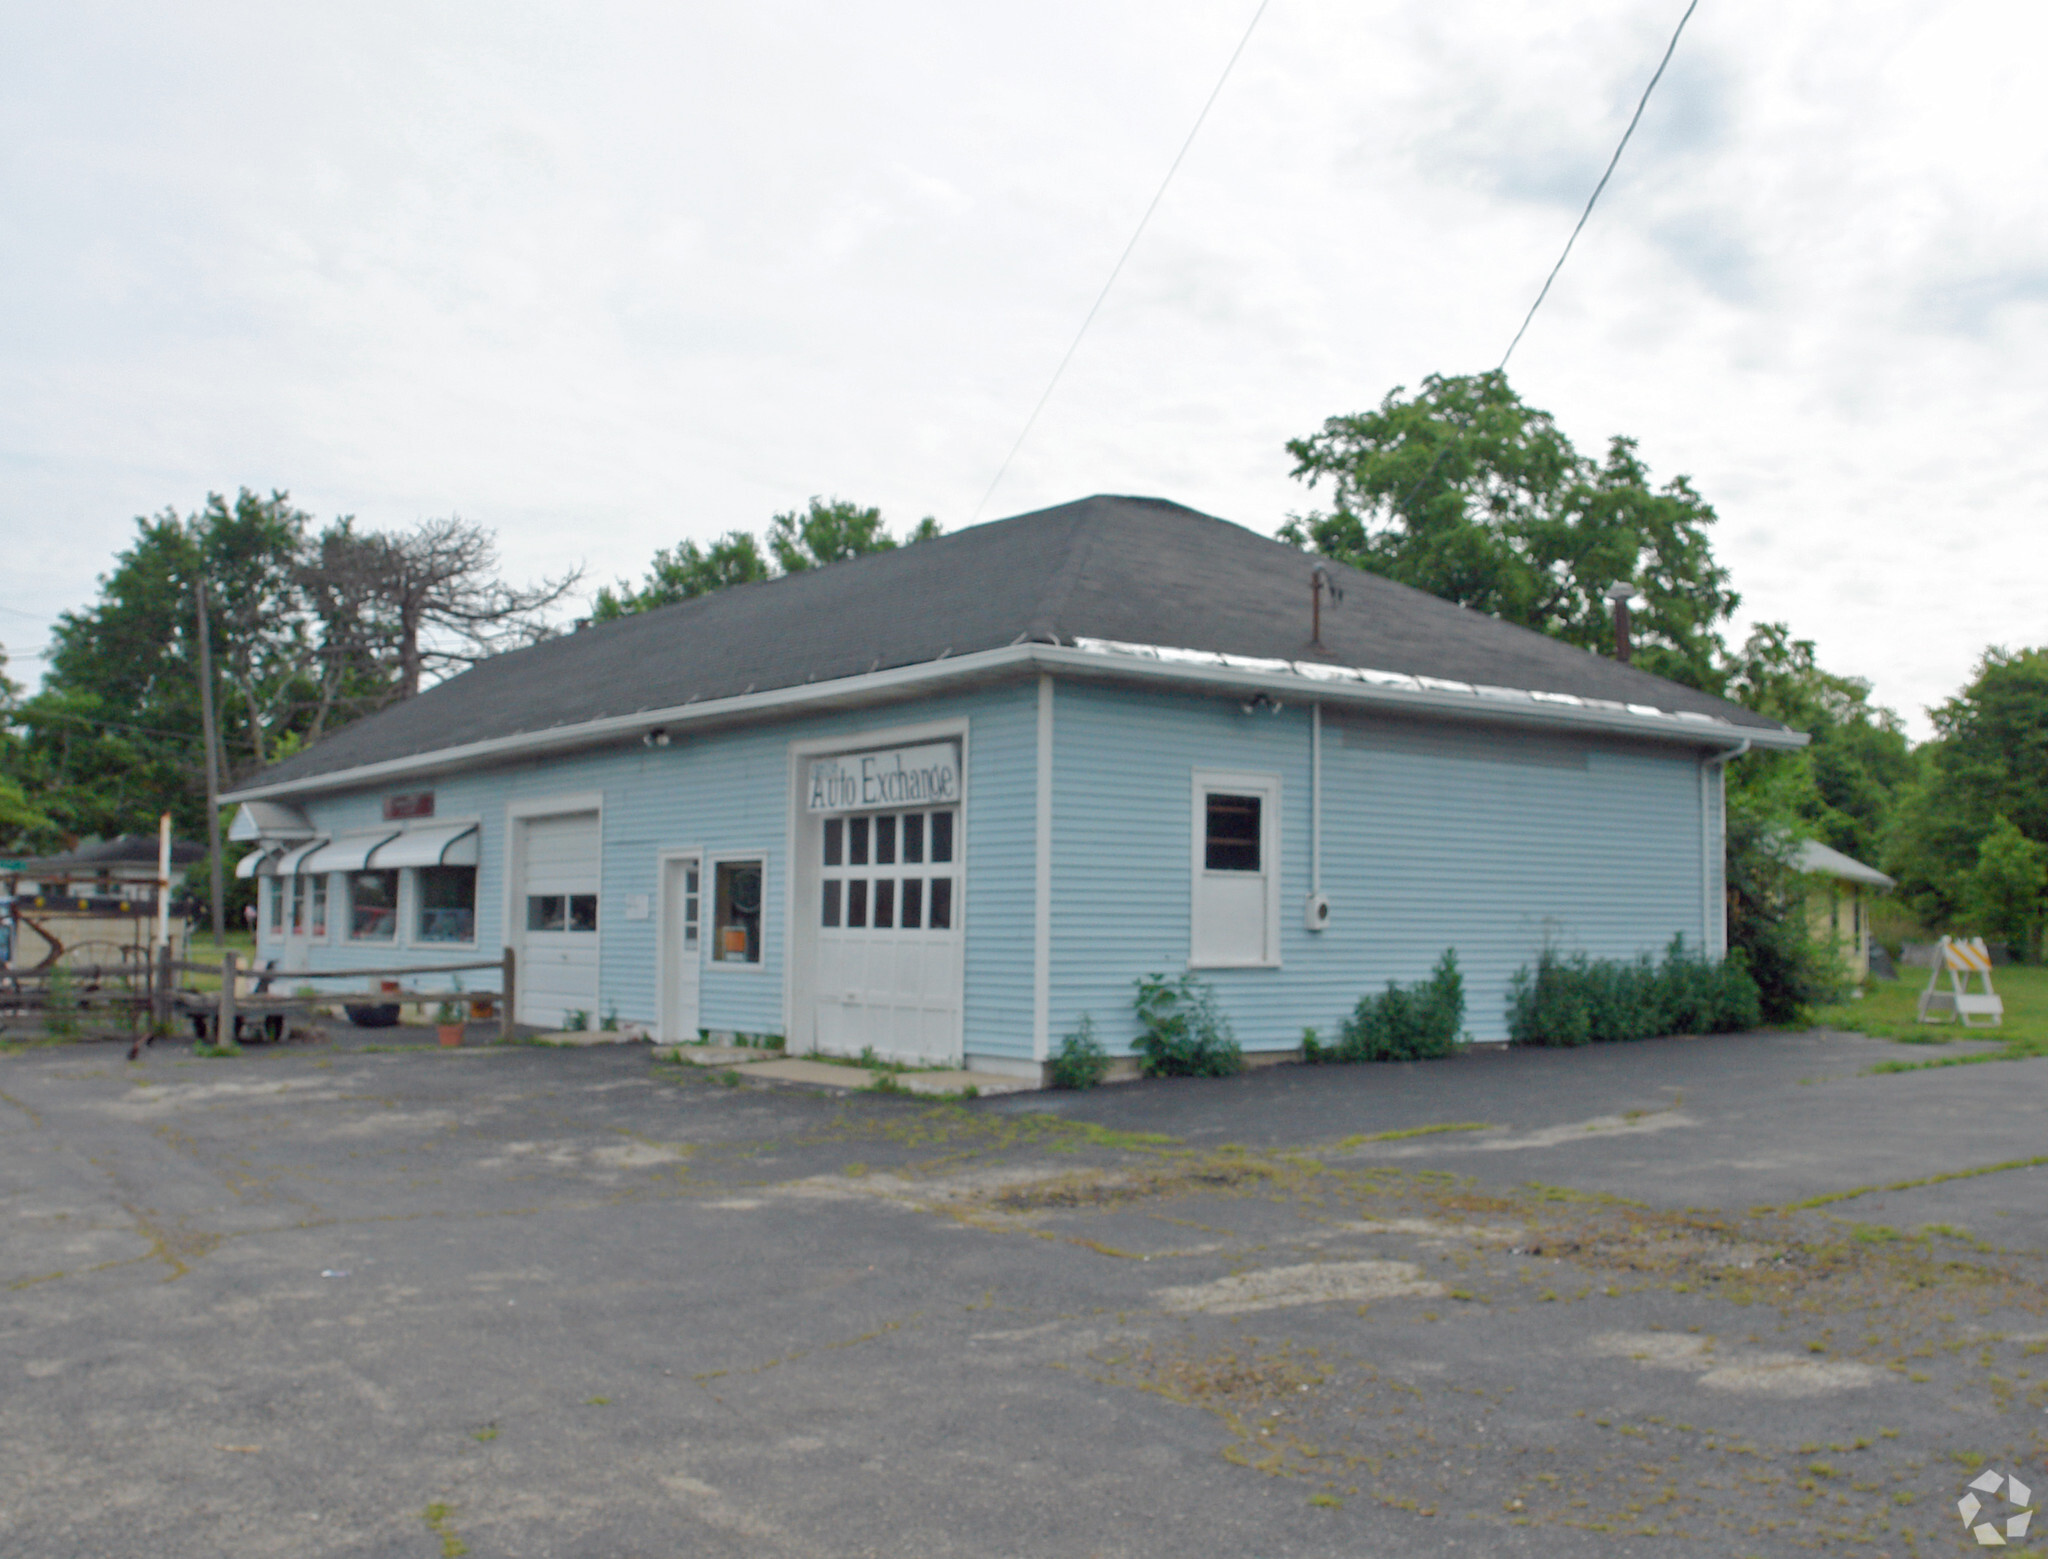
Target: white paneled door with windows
682,946
888,934
554,909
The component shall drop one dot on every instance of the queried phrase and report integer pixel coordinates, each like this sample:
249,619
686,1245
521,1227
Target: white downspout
1714,761
1315,799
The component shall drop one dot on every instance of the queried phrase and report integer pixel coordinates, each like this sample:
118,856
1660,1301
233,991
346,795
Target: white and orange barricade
1963,959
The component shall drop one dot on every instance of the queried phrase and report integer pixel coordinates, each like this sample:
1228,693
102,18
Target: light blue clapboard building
946,800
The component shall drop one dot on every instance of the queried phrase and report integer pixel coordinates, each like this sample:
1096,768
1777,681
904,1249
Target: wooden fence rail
155,989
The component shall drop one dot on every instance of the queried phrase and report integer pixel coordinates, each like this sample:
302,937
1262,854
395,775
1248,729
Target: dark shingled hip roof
1136,570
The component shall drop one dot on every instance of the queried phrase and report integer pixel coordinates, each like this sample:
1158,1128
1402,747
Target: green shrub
1578,1000
1183,1032
1417,1022
1081,1062
1793,970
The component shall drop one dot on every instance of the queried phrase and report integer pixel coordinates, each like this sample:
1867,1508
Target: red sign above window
398,808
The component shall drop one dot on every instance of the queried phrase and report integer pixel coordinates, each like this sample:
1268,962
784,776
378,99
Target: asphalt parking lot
333,1298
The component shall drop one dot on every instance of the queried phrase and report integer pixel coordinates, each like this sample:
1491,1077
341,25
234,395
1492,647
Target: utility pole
212,765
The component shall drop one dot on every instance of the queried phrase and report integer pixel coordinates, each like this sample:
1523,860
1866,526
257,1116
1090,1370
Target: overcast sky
605,276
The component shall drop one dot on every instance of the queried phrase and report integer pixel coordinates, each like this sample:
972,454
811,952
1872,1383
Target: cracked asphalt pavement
1735,1295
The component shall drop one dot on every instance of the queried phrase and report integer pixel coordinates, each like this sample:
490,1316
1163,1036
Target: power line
1612,162
1117,269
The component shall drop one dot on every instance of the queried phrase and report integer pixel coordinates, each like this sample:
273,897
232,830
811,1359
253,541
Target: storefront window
447,904
736,908
299,906
317,915
275,888
373,906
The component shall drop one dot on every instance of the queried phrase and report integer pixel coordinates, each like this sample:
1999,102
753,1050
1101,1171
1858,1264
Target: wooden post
208,735
163,1009
224,1033
509,983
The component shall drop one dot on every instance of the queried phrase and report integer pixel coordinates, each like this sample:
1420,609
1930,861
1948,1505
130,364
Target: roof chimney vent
1319,581
1621,592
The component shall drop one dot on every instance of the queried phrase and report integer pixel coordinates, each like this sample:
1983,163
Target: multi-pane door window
888,871
561,912
692,903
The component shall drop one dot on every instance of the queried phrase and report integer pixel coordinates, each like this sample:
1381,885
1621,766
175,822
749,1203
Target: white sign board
927,776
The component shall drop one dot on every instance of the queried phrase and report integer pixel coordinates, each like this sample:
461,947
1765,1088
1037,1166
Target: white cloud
608,275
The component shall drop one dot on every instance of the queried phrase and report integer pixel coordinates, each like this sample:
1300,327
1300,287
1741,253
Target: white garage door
888,934
555,917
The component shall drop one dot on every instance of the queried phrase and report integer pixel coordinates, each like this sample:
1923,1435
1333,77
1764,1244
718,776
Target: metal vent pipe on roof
1621,592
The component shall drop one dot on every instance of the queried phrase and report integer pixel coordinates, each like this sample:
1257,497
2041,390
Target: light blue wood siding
1434,836
728,793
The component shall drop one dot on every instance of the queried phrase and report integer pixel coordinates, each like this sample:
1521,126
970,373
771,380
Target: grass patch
1831,1197
1889,1010
1363,1138
440,1520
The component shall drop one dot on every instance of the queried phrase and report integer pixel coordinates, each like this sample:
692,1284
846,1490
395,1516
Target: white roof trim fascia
1296,681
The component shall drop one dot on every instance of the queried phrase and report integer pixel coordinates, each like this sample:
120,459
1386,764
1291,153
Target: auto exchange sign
926,776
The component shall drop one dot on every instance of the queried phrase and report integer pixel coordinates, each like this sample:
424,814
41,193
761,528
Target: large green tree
1842,787
1989,761
1465,491
113,736
306,630
685,570
827,531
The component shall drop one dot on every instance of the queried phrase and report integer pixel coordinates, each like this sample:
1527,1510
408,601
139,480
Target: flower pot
450,1034
481,1008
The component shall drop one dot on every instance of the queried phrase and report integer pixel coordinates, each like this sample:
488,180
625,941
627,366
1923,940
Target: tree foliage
2002,895
685,570
307,629
1841,788
1989,762
1466,492
829,530
426,602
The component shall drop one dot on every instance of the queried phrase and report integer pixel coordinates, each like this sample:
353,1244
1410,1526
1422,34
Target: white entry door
889,935
555,910
682,946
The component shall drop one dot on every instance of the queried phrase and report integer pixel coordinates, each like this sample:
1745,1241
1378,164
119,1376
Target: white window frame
707,912
345,931
409,891
1236,782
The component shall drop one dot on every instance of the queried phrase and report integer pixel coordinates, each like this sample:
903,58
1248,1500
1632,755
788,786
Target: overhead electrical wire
1612,162
1117,269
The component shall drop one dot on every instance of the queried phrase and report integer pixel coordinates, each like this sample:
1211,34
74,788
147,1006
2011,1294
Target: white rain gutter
1719,760
1096,659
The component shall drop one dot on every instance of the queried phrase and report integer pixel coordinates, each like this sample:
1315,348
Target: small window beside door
736,912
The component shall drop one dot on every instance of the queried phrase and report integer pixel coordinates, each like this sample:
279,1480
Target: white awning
348,853
257,863
435,844
273,820
291,863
